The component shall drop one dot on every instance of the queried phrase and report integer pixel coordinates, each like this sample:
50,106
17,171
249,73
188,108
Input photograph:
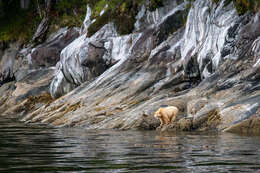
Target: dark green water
27,148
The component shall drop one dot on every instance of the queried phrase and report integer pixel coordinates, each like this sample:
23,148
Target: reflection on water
25,148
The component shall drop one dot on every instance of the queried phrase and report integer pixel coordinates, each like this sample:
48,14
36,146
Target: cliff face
199,56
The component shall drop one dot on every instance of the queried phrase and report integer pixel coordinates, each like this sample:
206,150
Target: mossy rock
121,13
99,23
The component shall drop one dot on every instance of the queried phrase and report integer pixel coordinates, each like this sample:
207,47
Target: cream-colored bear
166,114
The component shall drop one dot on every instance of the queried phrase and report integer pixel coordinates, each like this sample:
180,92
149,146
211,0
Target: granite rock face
48,53
28,94
86,58
199,56
146,18
7,64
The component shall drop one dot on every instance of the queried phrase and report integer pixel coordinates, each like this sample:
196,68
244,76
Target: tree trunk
48,6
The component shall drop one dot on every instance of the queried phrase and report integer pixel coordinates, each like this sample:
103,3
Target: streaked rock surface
199,56
48,53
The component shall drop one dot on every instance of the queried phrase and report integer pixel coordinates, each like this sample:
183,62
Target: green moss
189,5
73,107
100,22
98,8
122,13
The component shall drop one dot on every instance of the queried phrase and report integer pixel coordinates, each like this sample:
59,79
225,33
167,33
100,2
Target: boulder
48,53
59,85
195,106
28,94
145,17
210,30
7,64
86,58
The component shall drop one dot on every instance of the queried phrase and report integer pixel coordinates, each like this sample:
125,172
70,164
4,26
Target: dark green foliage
155,4
100,22
15,23
216,1
68,13
242,6
67,6
126,18
18,24
122,13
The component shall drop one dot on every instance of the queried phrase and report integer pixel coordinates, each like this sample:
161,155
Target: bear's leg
173,117
167,119
161,120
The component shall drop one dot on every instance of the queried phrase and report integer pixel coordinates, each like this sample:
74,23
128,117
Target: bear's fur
166,115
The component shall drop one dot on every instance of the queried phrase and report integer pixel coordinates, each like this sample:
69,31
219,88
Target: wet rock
149,122
5,91
234,115
249,126
196,105
207,116
185,124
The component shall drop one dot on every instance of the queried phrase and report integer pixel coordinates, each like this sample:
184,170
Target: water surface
35,148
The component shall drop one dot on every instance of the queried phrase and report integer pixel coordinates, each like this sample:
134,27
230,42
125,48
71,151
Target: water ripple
34,148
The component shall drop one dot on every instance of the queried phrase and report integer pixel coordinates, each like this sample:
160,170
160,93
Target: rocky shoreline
199,56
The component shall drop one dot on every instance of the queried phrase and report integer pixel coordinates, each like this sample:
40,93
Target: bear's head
158,114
